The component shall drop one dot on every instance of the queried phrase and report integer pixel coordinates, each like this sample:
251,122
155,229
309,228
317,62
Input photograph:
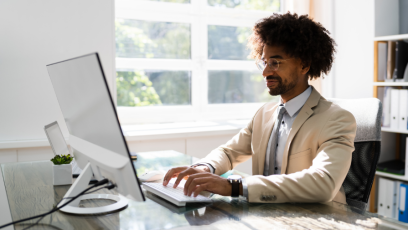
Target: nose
267,72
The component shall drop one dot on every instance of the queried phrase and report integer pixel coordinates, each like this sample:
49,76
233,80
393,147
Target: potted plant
62,169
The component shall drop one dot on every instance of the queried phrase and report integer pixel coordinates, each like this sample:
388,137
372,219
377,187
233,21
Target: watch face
234,177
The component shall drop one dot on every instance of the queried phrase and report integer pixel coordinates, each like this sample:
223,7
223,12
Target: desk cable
56,208
44,215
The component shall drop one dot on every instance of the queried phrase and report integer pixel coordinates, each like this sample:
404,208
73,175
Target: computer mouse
151,176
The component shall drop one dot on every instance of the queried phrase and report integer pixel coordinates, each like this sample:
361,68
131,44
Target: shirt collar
294,105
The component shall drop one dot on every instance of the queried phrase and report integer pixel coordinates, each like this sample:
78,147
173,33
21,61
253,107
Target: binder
403,212
394,110
382,194
390,199
390,59
382,61
406,74
386,119
402,149
387,198
406,157
403,109
401,59
397,196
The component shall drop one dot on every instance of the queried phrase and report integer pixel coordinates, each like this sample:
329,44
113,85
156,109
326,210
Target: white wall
354,33
41,32
387,23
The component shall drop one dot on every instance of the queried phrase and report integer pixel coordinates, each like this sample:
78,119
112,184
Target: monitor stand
80,184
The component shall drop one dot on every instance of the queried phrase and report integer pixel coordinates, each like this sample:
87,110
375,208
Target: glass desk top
30,192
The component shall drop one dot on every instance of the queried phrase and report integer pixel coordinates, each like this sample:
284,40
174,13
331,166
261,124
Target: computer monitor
95,135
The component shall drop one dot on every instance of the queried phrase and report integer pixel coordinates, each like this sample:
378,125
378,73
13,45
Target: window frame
199,15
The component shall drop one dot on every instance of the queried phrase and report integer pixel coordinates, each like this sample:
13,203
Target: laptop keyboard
175,193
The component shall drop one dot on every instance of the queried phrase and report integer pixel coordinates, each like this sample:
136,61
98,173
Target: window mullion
199,57
153,64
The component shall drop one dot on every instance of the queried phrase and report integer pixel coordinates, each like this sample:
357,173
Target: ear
305,69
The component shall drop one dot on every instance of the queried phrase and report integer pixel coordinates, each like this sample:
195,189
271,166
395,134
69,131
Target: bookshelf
392,176
386,129
392,37
390,137
381,83
390,25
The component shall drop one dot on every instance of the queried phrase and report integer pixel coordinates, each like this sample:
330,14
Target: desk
30,192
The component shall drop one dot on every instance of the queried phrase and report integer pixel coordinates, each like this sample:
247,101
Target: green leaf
63,159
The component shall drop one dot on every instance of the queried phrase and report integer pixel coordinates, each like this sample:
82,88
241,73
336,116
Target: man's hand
207,182
184,171
199,179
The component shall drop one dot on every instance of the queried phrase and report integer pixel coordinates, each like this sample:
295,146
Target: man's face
287,76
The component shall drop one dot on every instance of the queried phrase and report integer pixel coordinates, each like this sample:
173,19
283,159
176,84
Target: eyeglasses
272,63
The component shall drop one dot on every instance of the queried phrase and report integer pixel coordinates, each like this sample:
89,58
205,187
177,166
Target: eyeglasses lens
273,64
261,65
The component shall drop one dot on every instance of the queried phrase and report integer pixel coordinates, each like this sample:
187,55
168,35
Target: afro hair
299,36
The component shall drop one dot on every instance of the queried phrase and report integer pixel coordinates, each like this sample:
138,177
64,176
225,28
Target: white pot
62,174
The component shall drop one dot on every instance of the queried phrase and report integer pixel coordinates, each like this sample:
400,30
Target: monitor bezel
114,109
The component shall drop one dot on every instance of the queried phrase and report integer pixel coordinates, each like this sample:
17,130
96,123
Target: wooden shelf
392,37
386,129
393,176
390,83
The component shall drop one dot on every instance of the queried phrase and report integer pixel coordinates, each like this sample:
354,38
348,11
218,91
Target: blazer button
273,198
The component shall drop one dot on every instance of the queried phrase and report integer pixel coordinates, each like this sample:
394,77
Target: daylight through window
180,60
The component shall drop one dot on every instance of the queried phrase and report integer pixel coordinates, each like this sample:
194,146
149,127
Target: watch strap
235,188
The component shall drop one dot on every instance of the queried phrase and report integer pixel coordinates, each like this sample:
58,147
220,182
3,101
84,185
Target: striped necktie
274,141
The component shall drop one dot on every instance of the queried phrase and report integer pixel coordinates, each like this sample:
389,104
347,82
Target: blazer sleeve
235,151
321,181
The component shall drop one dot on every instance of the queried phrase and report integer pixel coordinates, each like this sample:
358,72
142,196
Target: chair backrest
367,143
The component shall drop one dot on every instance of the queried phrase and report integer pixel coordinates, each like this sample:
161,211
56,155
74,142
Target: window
186,60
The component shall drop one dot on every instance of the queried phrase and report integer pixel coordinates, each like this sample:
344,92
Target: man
301,149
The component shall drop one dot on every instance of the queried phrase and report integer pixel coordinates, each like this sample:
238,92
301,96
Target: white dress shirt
292,109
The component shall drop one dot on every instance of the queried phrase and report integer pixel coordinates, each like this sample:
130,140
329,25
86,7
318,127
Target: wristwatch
235,181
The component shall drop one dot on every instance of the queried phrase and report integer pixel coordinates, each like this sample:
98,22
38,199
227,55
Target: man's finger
183,174
172,173
194,184
191,178
201,188
168,180
168,175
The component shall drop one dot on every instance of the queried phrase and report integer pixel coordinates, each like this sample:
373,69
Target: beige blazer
316,157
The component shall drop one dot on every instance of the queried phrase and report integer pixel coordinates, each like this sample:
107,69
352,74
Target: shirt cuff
244,189
212,170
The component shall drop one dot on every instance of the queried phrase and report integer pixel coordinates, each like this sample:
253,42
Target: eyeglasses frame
256,63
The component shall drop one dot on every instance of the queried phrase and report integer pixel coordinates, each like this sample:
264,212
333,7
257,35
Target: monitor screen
96,137
85,102
56,139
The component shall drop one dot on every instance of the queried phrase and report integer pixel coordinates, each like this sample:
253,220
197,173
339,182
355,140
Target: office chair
367,143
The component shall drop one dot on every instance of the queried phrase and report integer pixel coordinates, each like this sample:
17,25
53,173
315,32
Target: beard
281,88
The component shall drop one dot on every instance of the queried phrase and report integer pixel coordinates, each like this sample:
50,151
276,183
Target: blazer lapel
270,117
301,118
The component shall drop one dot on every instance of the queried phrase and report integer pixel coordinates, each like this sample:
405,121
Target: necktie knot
282,110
